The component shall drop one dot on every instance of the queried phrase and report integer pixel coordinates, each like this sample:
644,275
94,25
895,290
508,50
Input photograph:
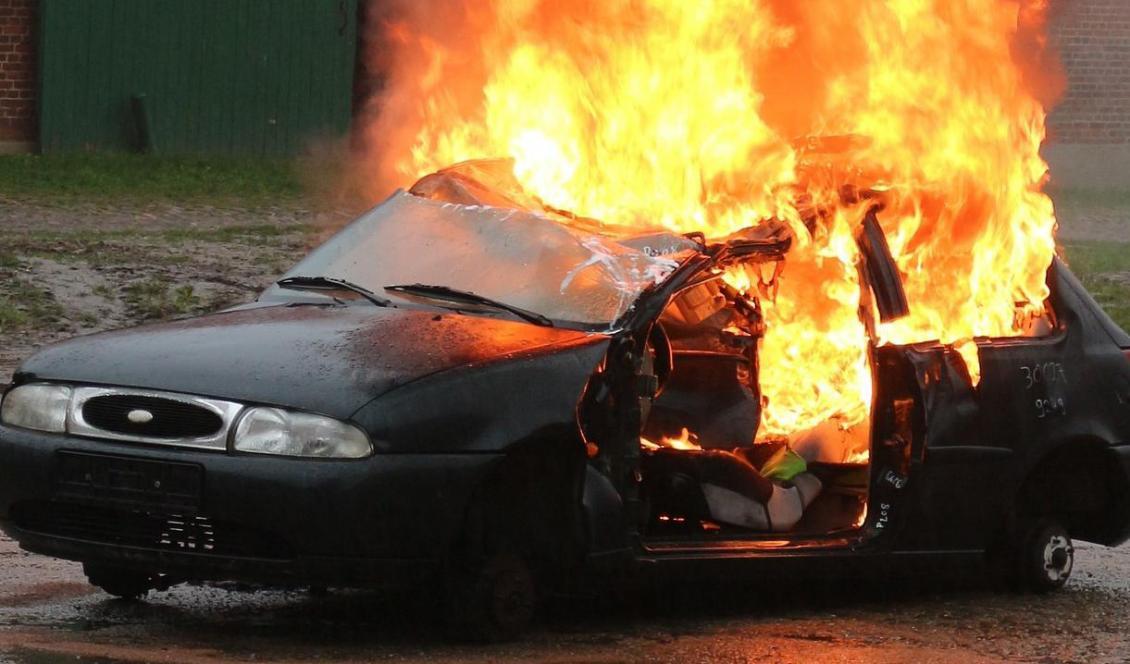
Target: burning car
467,386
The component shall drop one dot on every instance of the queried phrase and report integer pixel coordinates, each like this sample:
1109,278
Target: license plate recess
128,481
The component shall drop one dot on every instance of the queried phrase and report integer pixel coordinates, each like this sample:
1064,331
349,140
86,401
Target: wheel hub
1058,558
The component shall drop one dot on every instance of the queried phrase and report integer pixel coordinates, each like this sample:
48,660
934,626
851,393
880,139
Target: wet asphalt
49,614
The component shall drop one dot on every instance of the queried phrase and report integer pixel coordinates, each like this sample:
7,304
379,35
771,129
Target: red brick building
17,73
1089,129
1093,37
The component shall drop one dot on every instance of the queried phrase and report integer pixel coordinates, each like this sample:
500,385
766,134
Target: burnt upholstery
674,480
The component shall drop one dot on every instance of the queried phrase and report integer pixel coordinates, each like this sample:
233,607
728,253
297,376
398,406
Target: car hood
326,359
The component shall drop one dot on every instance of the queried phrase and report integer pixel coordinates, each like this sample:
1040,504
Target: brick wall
1093,37
17,70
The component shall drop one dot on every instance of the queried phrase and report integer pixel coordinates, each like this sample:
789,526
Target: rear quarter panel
1035,397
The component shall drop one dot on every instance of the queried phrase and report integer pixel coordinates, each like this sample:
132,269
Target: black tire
492,601
1046,556
121,583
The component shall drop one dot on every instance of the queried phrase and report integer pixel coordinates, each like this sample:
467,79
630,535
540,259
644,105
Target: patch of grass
225,234
94,177
23,305
118,247
233,233
94,252
1104,268
11,317
1092,258
157,298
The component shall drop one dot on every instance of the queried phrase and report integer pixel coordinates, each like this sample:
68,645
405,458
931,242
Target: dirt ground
68,271
79,270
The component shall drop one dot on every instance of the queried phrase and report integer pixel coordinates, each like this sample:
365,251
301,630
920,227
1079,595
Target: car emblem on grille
140,416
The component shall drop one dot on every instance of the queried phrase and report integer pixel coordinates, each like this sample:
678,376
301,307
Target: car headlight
37,406
288,433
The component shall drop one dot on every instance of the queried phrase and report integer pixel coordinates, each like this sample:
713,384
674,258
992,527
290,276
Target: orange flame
686,115
684,441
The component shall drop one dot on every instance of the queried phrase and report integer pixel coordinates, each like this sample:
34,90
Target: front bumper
259,518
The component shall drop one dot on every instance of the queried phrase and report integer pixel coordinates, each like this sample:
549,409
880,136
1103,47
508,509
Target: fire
684,441
862,518
713,116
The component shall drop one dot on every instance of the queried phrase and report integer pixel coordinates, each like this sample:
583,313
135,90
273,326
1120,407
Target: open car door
879,269
898,429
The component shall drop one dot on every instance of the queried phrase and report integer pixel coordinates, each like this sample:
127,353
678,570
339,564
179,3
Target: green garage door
194,76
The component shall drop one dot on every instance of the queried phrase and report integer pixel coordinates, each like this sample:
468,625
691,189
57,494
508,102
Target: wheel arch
530,500
1082,484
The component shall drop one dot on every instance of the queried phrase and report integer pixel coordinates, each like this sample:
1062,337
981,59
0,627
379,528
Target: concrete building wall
18,75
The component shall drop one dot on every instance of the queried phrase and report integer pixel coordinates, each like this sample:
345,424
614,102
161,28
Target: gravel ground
47,614
90,263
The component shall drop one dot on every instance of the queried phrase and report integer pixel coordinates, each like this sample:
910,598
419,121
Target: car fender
487,406
604,517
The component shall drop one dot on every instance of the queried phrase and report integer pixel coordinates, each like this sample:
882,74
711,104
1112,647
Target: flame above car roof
491,182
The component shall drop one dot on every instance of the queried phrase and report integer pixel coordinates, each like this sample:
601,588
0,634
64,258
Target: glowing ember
686,115
862,518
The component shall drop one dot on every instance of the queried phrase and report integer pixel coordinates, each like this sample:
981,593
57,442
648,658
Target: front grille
159,418
169,419
150,530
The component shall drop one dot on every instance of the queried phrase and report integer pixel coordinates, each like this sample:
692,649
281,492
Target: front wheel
493,600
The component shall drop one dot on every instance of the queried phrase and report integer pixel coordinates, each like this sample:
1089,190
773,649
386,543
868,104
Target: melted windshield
517,257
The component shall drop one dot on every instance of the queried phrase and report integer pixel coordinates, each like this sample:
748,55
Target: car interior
707,470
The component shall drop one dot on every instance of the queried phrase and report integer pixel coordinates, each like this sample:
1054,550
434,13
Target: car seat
724,487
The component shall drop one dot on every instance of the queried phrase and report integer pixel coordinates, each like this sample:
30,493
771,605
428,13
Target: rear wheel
1047,557
122,583
1035,555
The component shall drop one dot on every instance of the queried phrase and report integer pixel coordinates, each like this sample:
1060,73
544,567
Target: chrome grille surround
228,411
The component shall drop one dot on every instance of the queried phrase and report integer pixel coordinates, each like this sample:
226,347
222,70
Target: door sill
760,546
